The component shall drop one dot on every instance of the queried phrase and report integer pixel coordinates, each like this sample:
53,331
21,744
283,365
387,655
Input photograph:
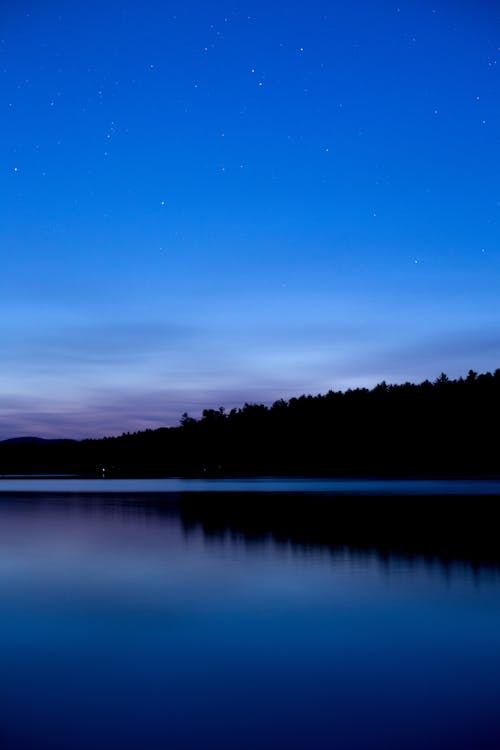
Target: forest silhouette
440,428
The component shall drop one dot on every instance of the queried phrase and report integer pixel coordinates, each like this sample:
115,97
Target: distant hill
35,440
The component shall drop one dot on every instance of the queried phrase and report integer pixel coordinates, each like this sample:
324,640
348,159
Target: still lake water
125,623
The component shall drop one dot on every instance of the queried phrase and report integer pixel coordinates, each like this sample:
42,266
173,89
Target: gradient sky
208,203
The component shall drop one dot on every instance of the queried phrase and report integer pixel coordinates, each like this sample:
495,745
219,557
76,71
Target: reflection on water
143,621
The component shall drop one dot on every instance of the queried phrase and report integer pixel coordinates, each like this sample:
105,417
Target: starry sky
207,203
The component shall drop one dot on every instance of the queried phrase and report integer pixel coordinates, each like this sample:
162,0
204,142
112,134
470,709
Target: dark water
149,621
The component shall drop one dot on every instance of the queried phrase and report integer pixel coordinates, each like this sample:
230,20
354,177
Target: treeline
444,427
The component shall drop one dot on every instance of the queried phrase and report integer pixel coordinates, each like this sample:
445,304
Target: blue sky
212,203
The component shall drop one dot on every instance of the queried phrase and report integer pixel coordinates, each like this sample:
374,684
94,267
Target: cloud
397,359
96,343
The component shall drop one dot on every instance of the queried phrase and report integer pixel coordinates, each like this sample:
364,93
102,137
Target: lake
294,614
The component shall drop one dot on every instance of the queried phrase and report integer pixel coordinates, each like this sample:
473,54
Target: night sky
207,203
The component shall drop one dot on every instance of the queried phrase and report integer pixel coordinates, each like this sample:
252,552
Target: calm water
126,623
257,484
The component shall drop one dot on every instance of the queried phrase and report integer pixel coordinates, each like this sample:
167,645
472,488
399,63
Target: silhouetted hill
38,440
445,427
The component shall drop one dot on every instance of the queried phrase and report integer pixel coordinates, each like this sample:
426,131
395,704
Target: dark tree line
433,428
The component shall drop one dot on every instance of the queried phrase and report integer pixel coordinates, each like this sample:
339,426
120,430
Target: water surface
128,621
375,486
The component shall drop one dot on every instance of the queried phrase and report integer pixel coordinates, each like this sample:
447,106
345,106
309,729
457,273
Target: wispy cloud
96,343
